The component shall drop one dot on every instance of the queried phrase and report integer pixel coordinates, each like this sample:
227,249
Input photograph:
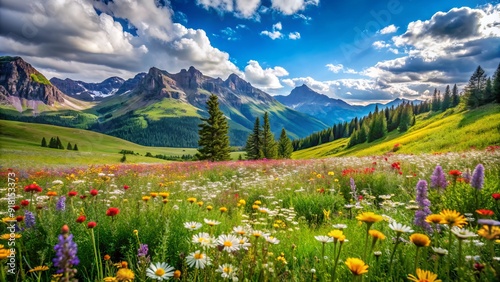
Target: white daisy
272,240
400,228
204,239
440,251
324,239
462,233
228,271
228,242
160,271
192,225
339,226
240,230
244,244
198,260
211,222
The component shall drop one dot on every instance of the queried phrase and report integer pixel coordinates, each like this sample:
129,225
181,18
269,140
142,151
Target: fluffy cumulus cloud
275,33
388,29
266,79
289,7
70,39
340,67
294,35
443,50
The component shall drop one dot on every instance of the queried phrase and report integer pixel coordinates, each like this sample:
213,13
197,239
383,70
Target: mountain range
159,108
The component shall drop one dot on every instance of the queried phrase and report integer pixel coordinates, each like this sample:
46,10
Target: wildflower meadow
431,217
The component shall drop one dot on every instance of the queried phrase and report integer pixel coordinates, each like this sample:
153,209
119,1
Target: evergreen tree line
56,143
261,143
482,89
368,128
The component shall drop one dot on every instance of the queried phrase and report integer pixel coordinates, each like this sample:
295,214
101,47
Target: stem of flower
334,271
460,258
393,252
416,258
448,262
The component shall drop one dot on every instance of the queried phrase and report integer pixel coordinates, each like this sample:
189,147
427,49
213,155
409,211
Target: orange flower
356,266
420,240
485,212
52,193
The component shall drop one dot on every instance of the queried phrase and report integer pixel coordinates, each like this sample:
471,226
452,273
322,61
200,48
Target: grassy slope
441,132
20,146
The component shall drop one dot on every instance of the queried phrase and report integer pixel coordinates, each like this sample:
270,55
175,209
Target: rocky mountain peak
20,80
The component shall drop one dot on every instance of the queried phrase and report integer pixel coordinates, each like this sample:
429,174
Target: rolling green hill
20,147
452,130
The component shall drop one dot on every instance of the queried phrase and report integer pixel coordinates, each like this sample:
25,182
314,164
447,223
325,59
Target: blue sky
360,51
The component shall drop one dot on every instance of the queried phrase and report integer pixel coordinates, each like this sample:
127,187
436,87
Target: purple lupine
66,250
438,178
424,204
29,219
477,180
61,204
466,176
353,189
142,254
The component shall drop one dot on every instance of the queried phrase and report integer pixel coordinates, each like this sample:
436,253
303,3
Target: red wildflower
25,203
91,224
16,207
455,172
81,219
496,196
360,197
112,211
485,212
65,229
126,187
72,193
33,187
83,197
94,192
19,218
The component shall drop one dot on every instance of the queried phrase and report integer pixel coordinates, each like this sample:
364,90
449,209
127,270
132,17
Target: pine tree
213,134
488,92
496,84
446,99
474,90
44,142
268,142
52,143
75,148
406,118
59,143
124,158
253,146
378,127
285,148
455,99
69,147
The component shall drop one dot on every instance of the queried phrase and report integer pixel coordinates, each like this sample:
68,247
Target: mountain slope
162,101
326,109
451,130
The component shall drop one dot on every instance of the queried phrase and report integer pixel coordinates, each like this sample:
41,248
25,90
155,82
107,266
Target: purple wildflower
61,204
438,178
29,219
477,180
424,204
143,250
66,254
466,176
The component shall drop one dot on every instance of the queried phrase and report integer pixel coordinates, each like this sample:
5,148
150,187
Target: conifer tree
446,99
268,143
455,99
253,146
52,143
488,92
75,148
406,118
44,142
474,90
59,143
378,127
214,139
436,103
285,148
496,84
69,147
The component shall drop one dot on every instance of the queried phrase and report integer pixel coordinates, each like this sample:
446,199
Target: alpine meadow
266,141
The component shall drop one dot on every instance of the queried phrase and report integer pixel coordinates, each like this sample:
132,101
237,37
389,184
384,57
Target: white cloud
380,44
219,5
264,78
275,33
340,67
247,8
388,29
54,35
335,68
288,82
294,35
289,7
